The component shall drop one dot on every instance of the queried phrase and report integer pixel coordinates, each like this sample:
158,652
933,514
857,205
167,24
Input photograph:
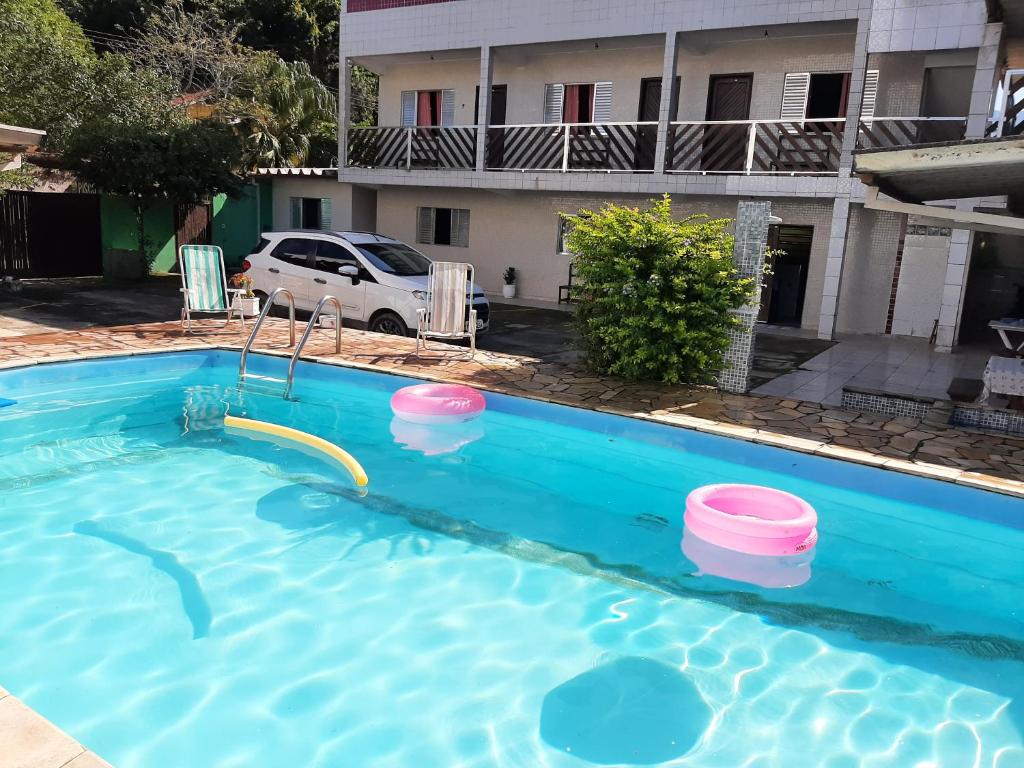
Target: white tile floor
894,364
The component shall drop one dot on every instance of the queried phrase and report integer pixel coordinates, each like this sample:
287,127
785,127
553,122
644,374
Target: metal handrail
306,334
259,323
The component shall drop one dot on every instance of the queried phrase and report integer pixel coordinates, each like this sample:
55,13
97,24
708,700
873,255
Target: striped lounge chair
204,284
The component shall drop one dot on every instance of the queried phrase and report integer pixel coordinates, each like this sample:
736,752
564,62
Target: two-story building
498,116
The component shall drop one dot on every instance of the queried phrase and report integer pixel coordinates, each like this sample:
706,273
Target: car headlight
420,295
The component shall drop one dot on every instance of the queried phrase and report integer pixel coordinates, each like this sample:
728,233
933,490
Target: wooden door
725,146
649,110
495,152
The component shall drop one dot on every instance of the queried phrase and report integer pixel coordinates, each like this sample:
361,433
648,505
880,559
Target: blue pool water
176,596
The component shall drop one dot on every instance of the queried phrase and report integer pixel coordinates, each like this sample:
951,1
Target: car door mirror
350,271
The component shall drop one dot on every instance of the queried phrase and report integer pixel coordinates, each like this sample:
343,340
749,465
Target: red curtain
571,104
424,108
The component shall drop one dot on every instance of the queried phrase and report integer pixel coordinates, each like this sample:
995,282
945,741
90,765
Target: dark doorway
495,136
649,110
782,297
827,95
50,235
946,93
725,146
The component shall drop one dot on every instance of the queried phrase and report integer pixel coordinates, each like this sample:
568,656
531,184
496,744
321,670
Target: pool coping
29,740
963,477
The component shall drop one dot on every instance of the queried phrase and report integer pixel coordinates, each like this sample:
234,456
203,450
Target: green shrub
655,293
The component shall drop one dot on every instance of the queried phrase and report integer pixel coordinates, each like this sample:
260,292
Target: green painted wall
236,224
118,229
266,205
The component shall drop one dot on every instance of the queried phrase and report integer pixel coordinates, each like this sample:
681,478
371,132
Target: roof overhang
911,175
14,138
308,172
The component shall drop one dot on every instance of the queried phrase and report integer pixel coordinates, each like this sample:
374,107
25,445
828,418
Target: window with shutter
408,108
460,227
794,96
867,105
425,225
448,107
553,96
325,213
295,208
602,103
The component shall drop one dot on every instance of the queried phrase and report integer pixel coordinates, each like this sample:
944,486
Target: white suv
380,281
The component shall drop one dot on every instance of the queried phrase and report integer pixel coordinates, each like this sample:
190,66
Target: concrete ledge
29,740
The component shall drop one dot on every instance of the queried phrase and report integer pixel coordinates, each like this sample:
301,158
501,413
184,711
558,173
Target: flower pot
250,306
508,291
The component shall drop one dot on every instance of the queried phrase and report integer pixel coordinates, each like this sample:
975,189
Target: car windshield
395,258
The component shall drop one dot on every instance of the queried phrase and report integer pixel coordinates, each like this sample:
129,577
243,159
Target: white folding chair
449,292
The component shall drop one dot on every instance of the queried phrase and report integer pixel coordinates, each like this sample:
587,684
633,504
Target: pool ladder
271,299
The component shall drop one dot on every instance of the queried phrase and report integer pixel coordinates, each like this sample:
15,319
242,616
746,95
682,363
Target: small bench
565,291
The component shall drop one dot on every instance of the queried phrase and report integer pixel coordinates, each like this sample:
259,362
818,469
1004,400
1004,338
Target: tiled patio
991,461
896,365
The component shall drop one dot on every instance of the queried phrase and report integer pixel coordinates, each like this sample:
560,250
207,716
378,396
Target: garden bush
654,293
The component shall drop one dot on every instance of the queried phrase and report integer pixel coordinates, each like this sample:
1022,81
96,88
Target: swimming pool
512,593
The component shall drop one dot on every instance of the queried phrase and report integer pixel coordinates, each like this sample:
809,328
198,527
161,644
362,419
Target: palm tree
291,120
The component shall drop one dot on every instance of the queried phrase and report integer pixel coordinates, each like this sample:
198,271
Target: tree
292,119
46,66
21,177
186,162
655,294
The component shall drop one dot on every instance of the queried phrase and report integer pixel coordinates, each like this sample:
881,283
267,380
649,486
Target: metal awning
909,176
14,138
322,172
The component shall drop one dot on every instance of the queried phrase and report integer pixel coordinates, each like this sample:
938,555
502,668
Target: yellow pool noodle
317,444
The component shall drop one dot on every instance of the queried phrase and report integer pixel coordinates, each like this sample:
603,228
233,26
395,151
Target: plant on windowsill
246,301
508,290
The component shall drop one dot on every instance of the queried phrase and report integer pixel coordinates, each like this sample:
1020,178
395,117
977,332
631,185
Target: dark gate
192,224
50,234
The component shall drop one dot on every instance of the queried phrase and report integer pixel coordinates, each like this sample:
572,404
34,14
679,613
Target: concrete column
834,267
856,96
752,219
986,78
483,110
665,116
344,108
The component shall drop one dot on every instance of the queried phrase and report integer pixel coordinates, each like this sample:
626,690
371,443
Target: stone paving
925,447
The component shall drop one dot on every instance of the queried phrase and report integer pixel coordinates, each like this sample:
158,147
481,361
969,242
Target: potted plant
247,301
508,290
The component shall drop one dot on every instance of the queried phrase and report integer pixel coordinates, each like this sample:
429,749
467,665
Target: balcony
738,147
887,132
755,147
420,147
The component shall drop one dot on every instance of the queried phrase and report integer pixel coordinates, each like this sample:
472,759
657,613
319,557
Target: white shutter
460,227
794,96
554,95
447,107
602,112
408,108
295,206
867,105
325,213
425,225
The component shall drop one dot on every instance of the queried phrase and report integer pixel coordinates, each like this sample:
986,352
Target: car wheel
390,323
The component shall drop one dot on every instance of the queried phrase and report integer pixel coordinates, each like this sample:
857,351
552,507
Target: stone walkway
991,461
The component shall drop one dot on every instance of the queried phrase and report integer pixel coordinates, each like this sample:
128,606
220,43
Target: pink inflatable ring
437,403
752,519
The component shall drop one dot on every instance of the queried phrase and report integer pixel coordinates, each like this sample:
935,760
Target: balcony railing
751,147
754,146
424,146
568,147
887,132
